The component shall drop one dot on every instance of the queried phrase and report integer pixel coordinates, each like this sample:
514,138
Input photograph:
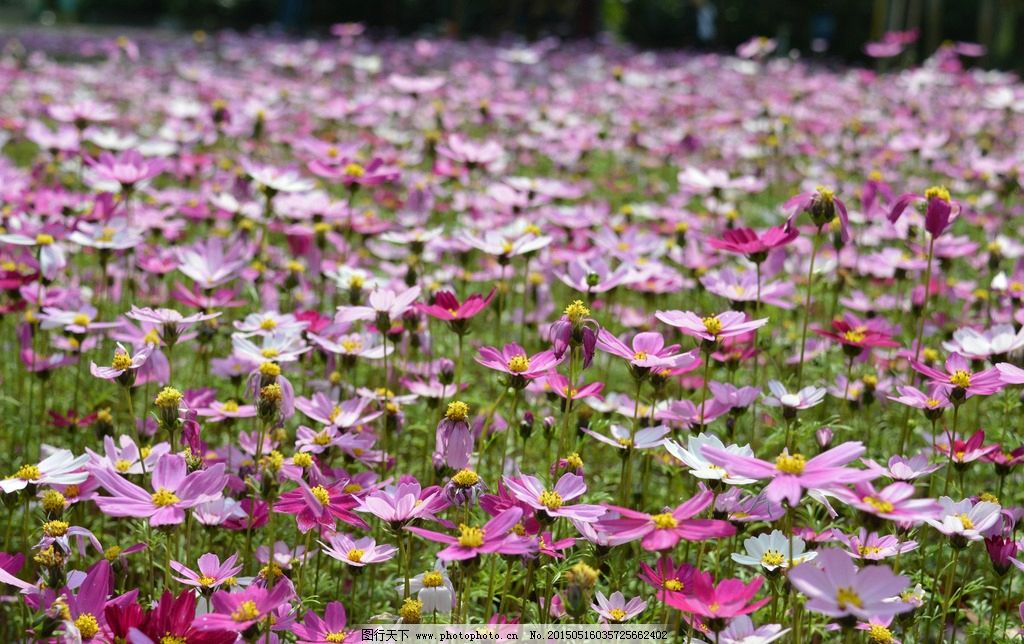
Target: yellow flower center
847,596
270,369
432,579
43,239
55,528
880,634
855,336
960,378
673,584
302,459
712,325
172,639
71,491
168,398
272,393
336,636
574,461
352,488
53,501
772,558
625,442
356,555
321,439
550,499
355,170
931,403
121,361
164,497
966,522
246,611
87,625
470,537
270,353
411,610
576,311
518,364
617,614
640,355
881,505
664,521
206,581
466,478
81,320
122,465
321,494
152,337
28,473
268,324
988,496
826,195
790,463
937,192
230,406
351,346
866,551
457,410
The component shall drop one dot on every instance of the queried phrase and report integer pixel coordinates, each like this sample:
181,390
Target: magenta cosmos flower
127,169
238,611
330,629
400,504
730,598
513,360
745,241
319,506
457,314
663,531
496,536
793,473
174,491
838,589
530,491
961,378
713,328
940,209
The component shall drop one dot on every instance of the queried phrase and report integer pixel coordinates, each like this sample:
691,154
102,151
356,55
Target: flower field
308,334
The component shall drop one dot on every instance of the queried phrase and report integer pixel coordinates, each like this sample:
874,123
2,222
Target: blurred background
833,29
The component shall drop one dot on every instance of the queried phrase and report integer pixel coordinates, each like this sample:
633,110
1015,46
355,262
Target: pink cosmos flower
401,503
962,451
496,536
710,329
745,241
238,611
357,552
965,520
873,547
648,351
901,468
663,531
385,305
330,629
559,384
838,589
616,609
174,491
513,360
127,169
960,377
793,473
893,503
530,491
123,362
211,574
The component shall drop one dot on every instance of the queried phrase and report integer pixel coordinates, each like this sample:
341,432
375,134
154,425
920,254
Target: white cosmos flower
771,551
60,468
693,457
